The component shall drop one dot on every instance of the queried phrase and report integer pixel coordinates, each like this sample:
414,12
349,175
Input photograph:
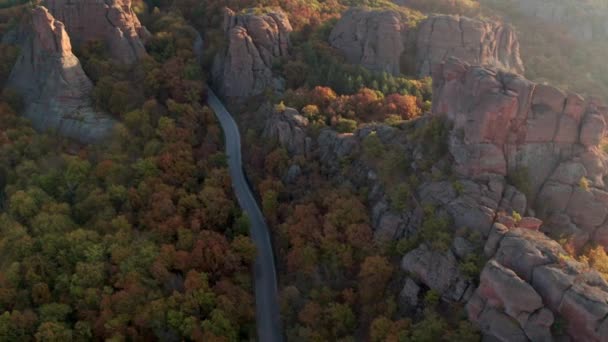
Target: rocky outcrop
54,87
478,42
255,42
387,41
584,20
110,21
439,271
528,281
288,127
536,134
373,39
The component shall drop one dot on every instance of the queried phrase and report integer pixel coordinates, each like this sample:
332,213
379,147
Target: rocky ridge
502,123
509,126
110,21
386,41
255,42
55,89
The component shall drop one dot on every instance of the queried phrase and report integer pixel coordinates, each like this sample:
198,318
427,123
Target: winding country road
266,294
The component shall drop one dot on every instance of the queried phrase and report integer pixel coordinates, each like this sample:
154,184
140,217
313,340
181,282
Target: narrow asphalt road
266,294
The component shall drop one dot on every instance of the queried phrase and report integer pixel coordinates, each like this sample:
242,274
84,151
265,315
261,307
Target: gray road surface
266,294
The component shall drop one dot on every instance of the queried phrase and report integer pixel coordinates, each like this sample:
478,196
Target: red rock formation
505,124
527,281
378,41
54,86
254,43
109,21
475,41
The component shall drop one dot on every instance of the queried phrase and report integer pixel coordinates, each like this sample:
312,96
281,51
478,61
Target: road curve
266,295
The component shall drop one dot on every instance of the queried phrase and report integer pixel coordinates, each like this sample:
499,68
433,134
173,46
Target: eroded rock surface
386,41
546,138
529,281
478,42
55,89
255,42
110,21
373,39
288,127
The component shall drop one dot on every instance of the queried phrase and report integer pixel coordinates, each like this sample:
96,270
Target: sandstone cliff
255,42
54,87
110,21
385,41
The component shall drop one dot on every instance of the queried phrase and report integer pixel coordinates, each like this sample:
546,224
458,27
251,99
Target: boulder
437,270
408,297
255,42
288,127
110,21
528,266
55,89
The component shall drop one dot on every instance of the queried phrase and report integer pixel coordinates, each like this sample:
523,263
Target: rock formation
501,124
255,42
475,41
110,21
528,282
373,39
507,125
54,87
288,127
383,40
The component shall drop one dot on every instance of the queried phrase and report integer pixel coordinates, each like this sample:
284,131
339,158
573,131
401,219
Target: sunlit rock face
385,41
507,125
475,41
55,89
110,21
254,43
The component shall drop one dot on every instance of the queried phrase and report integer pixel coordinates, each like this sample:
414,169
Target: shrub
584,184
346,125
520,179
516,216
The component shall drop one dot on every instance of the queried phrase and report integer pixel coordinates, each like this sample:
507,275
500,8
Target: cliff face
374,39
109,21
255,41
505,130
378,40
55,89
474,41
507,125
